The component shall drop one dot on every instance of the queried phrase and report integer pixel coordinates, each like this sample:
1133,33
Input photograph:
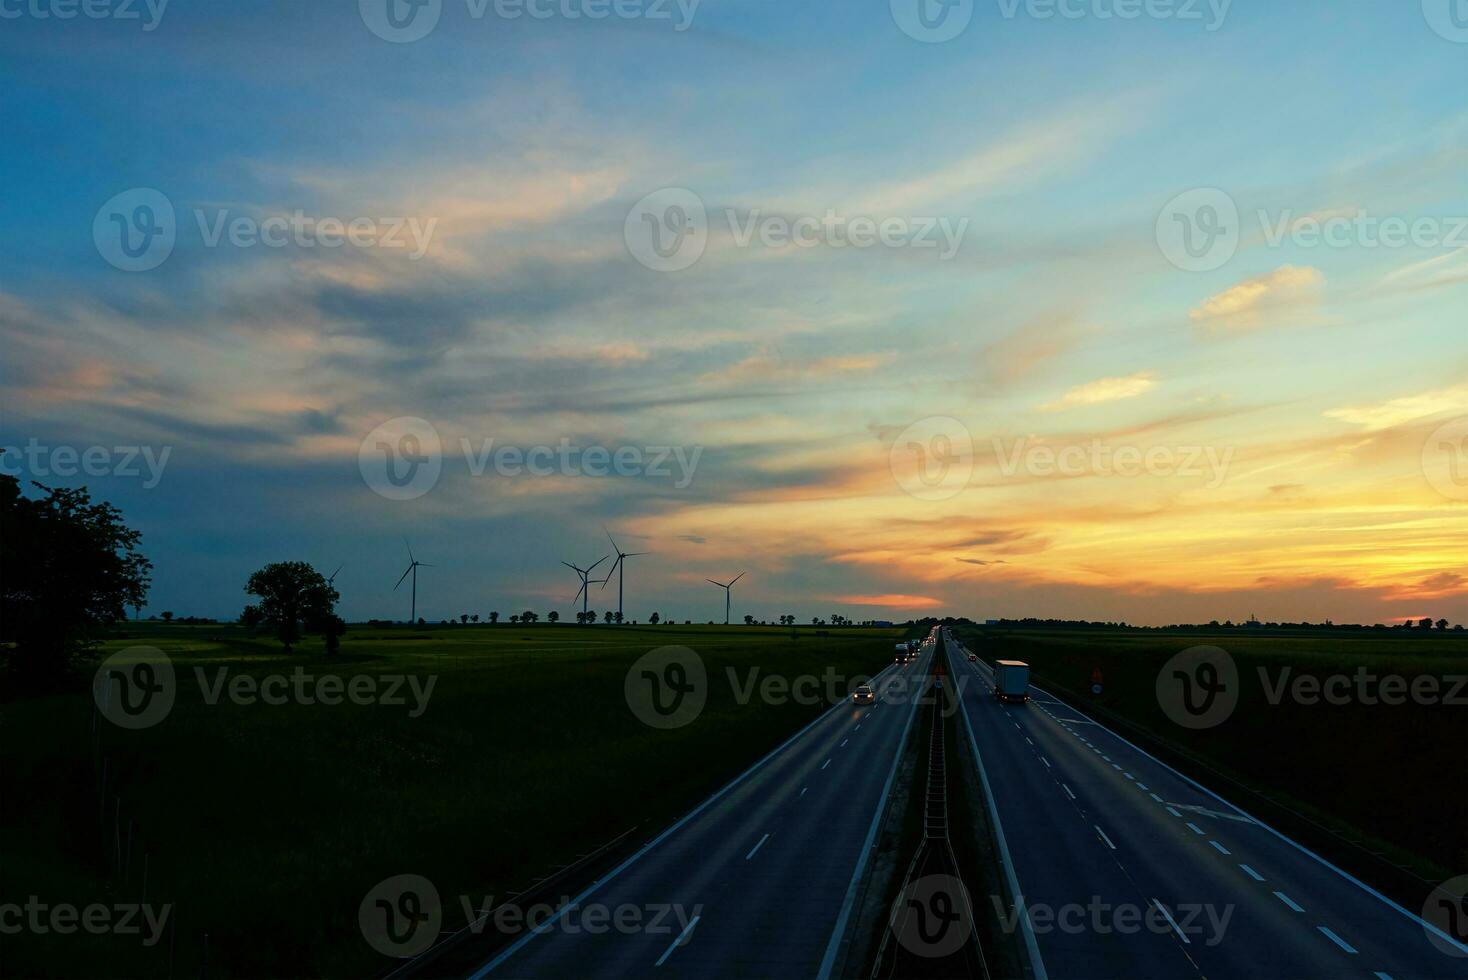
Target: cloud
770,368
1104,390
981,561
1243,307
891,601
1396,411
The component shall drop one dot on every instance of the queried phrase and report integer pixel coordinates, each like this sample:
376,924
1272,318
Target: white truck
1012,681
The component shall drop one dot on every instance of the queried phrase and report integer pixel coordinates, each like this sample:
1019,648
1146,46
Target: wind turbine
413,565
331,579
728,593
618,566
584,593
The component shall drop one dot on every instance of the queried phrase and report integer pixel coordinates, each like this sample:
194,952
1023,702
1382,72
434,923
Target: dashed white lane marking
1104,837
1382,976
1196,829
1337,940
802,791
1142,787
1219,847
824,764
1252,873
1028,739
1173,812
1067,791
1130,776
1161,908
1155,797
756,847
843,743
682,937
1288,901
857,728
1116,767
1046,761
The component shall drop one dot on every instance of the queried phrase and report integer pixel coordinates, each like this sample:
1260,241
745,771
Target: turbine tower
728,593
619,566
584,593
413,565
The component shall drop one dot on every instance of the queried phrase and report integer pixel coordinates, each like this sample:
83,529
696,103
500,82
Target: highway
1090,821
764,873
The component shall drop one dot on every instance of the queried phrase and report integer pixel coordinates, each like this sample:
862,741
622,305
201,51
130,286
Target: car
863,695
973,658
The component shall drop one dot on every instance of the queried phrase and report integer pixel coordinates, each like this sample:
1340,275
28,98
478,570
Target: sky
1092,309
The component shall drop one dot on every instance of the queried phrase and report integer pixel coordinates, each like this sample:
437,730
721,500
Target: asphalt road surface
1091,822
761,877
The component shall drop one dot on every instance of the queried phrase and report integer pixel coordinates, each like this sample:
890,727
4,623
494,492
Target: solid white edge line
669,951
596,885
1036,964
756,847
1104,837
833,945
1252,873
1297,846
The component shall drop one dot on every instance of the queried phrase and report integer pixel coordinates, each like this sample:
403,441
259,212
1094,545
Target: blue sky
1323,374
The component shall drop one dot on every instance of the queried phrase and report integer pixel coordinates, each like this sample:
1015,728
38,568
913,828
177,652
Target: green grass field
1394,775
265,825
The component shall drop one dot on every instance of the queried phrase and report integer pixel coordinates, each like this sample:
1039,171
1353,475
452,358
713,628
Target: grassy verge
265,825
1390,777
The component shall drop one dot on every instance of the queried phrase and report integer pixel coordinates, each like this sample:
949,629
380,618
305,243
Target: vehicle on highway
1012,681
863,695
973,658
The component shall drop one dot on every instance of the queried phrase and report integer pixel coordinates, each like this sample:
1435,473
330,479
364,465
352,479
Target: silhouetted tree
1442,624
474,618
463,619
748,620
293,595
494,617
553,617
609,616
528,617
68,569
167,616
252,616
653,619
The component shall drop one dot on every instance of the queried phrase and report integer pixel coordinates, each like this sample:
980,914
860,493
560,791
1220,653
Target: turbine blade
613,541
410,550
598,562
400,581
738,577
637,554
719,584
